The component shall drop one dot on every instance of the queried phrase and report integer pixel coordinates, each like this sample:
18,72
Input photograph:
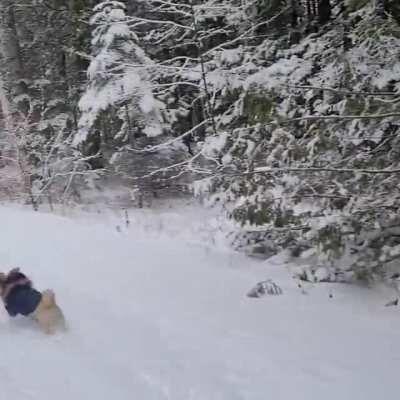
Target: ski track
163,318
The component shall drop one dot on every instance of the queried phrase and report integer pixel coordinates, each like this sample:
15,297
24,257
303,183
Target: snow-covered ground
161,316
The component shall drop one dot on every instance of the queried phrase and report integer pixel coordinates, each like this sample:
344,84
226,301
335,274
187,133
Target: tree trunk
380,8
11,67
308,10
294,13
324,11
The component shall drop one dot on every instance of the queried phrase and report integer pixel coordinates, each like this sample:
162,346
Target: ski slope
158,316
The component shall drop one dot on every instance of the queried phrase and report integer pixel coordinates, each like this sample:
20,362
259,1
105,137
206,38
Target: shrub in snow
263,288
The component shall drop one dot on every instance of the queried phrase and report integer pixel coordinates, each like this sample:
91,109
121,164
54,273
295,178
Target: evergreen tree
118,99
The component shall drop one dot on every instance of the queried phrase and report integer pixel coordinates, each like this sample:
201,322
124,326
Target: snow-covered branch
268,170
245,33
140,21
342,91
168,143
337,117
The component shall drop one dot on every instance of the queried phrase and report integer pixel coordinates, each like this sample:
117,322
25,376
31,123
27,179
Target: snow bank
157,317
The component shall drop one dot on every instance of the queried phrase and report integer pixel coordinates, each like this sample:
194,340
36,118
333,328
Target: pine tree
118,100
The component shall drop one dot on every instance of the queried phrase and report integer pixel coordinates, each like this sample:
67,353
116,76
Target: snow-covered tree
308,142
118,100
304,113
38,116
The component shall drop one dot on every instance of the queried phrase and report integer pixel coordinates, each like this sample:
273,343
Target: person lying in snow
19,297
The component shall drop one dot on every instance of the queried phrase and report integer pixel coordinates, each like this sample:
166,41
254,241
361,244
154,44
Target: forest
284,114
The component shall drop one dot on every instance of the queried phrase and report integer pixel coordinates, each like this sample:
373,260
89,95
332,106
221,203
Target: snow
277,74
213,145
161,316
231,56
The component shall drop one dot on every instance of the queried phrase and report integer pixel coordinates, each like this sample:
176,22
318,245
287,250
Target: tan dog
20,297
49,315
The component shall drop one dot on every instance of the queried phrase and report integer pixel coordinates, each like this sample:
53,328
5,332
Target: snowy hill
161,317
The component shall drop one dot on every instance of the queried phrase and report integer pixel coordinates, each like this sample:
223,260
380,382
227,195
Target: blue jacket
23,300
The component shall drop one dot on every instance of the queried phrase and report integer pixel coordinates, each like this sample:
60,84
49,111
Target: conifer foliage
118,81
